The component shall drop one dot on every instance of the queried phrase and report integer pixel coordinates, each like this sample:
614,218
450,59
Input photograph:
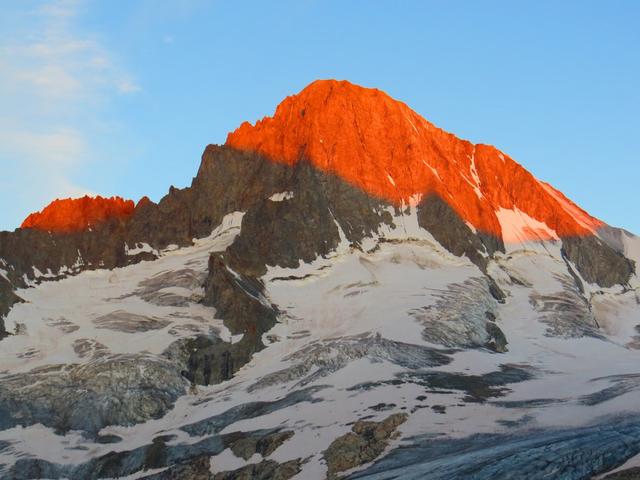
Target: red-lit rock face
78,214
380,145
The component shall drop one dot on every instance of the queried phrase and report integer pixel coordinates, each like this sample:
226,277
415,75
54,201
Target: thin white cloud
50,81
127,86
61,9
54,78
57,149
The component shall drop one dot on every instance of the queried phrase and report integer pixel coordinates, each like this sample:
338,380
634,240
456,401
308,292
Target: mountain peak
78,214
380,145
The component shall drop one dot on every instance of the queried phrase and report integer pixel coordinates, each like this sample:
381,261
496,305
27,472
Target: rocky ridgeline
296,209
318,210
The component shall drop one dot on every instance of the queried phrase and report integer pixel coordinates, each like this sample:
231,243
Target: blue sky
121,96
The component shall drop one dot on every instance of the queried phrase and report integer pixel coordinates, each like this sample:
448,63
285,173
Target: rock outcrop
78,214
366,442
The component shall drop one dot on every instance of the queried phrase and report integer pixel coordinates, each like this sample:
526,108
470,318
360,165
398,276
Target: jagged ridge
77,214
382,146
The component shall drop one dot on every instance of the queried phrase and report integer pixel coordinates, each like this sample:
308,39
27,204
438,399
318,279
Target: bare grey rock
597,262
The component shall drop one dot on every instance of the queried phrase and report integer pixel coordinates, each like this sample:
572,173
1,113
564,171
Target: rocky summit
77,214
344,291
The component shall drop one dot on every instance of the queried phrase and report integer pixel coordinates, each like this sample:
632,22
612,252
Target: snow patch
140,248
411,123
391,180
279,197
518,227
631,245
435,172
227,461
474,174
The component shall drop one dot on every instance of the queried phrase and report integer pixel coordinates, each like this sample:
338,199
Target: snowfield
398,326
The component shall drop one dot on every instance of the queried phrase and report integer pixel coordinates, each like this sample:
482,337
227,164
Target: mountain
344,290
381,146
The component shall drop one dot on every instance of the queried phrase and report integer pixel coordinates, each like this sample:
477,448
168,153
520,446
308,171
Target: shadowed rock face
597,262
61,254
265,470
200,469
437,217
307,223
7,300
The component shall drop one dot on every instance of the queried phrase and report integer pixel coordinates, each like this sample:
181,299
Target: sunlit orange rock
382,146
78,214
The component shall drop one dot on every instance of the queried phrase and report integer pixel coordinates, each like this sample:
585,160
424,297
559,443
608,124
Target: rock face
383,147
77,214
7,300
265,470
199,469
597,262
365,442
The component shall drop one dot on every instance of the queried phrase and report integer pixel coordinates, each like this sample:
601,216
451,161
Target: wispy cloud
53,79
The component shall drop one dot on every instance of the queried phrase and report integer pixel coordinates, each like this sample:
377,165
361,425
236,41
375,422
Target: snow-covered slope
344,291
402,327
